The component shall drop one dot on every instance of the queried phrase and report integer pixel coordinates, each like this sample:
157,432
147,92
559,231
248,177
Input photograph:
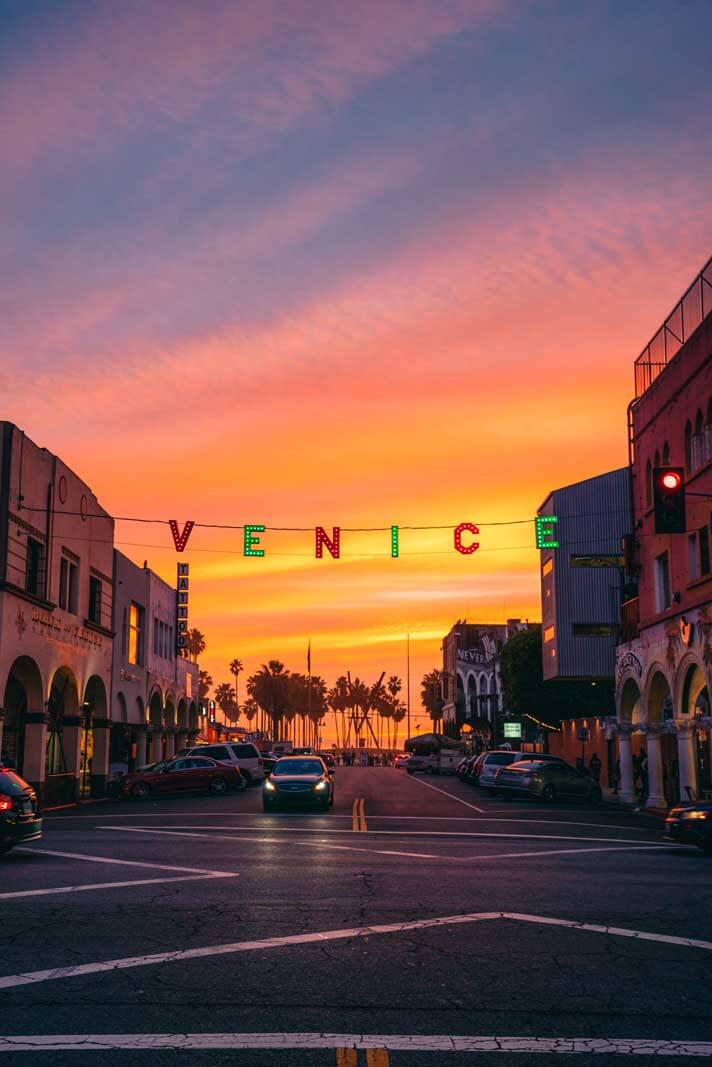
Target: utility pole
408,678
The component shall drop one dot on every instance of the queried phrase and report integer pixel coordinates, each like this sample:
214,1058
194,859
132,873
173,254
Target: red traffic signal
669,499
671,480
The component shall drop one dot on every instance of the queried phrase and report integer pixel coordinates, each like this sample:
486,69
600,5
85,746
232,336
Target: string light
466,550
251,540
333,544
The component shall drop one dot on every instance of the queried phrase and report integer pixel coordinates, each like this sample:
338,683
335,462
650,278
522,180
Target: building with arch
56,638
154,689
472,690
664,661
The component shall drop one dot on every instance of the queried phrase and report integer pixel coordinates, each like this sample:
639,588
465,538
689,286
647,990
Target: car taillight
5,802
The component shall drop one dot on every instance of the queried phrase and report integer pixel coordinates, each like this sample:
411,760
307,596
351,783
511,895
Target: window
547,568
95,587
692,567
594,629
666,455
698,443
549,634
216,752
33,574
68,584
135,634
155,636
245,751
648,483
704,542
688,446
662,582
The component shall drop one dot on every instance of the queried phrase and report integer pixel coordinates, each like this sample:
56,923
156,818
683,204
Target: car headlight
270,786
320,785
695,815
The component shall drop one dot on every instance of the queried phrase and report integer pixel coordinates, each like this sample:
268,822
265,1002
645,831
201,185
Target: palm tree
250,709
204,683
268,686
225,700
399,713
394,687
236,668
431,695
196,644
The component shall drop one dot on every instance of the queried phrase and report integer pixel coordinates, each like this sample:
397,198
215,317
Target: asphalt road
415,922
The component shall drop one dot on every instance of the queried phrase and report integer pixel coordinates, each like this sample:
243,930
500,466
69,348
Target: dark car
188,774
298,781
20,819
691,825
547,780
329,760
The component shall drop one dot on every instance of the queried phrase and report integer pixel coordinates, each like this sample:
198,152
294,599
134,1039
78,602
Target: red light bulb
671,480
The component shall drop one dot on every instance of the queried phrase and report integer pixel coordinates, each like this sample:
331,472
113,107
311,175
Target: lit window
135,634
68,584
549,634
547,568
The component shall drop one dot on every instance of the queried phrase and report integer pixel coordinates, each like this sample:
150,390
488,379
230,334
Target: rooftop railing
680,324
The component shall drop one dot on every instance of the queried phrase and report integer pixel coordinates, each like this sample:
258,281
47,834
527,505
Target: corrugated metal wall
593,519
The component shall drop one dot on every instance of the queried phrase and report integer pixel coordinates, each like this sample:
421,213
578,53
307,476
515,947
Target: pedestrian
617,777
594,767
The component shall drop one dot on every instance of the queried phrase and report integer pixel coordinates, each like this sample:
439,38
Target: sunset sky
302,263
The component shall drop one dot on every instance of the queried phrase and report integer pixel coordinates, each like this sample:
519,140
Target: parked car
329,760
548,779
241,753
691,825
472,772
188,774
401,760
20,819
268,762
492,763
298,781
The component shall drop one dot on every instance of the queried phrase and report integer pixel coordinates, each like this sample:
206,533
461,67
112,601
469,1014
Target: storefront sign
63,631
512,729
616,561
182,591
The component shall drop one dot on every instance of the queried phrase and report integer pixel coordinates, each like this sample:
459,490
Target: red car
187,774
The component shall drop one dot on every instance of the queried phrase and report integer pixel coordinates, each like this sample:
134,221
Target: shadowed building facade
56,638
664,663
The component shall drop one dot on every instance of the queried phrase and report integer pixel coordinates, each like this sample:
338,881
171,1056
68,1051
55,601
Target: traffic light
669,499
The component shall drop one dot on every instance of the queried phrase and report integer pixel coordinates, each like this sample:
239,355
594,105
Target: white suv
243,753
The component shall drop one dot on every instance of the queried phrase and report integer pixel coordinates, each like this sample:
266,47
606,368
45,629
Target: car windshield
299,766
501,758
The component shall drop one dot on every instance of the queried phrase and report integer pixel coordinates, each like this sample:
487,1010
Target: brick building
664,663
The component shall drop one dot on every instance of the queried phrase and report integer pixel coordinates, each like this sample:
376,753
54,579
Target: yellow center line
363,815
377,1057
346,1057
354,815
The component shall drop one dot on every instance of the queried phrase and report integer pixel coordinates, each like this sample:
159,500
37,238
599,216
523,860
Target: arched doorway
93,750
155,719
23,694
63,739
472,708
460,713
119,743
695,705
659,767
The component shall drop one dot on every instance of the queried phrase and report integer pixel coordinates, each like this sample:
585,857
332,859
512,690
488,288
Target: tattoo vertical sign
182,593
